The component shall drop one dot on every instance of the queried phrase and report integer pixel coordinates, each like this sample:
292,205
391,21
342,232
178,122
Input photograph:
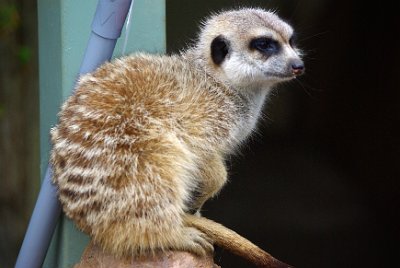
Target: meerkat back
140,145
126,152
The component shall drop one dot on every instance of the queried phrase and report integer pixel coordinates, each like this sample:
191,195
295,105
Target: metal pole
106,29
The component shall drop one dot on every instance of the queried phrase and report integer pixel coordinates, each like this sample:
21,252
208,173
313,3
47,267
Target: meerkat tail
235,243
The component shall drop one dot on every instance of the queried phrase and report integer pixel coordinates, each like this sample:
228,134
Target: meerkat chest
249,118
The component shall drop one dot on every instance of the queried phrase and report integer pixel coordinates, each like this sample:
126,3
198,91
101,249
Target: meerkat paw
196,242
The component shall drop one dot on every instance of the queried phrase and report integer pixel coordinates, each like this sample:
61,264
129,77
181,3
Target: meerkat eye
265,45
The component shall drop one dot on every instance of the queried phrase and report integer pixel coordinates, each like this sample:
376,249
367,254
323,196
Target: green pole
64,28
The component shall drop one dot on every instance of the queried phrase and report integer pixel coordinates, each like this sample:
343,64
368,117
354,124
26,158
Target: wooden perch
94,257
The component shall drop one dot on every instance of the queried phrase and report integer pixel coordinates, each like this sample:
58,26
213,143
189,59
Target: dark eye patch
293,40
265,45
219,49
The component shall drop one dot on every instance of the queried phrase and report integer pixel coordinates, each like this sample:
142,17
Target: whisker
313,36
307,88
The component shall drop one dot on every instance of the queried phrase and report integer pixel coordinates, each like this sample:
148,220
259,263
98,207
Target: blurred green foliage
10,22
24,54
9,19
19,123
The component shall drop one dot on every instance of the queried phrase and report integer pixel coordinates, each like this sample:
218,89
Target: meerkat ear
219,49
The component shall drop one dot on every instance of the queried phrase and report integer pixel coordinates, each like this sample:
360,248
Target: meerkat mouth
280,75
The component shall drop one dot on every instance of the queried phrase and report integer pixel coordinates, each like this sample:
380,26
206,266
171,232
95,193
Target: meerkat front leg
213,177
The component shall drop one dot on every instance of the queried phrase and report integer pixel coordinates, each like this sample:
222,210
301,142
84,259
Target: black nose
297,67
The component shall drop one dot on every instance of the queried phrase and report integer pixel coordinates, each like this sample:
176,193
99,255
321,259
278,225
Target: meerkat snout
297,67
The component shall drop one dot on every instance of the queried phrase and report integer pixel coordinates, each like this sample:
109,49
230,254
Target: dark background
316,186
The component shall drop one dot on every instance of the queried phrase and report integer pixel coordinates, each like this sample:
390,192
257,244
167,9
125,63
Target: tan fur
143,139
237,244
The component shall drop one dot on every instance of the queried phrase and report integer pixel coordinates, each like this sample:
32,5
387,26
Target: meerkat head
249,48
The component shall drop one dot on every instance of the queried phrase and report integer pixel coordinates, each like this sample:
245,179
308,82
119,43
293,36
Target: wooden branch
94,257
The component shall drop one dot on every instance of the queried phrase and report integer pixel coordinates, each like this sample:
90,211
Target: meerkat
141,144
